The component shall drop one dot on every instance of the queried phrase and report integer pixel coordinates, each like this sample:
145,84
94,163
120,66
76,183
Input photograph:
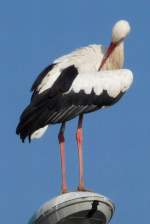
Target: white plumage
86,59
39,133
113,82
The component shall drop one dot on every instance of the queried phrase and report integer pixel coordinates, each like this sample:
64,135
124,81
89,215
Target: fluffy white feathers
113,82
39,133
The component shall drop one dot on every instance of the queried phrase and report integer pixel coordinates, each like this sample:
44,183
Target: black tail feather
35,116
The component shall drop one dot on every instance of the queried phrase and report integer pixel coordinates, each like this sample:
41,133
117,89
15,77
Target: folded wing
72,94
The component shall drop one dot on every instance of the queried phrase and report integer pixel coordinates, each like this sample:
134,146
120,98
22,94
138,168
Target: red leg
62,154
79,137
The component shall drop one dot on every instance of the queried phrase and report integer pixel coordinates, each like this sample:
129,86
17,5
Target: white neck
116,59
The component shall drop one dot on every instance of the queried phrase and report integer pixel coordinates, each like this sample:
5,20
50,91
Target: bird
83,81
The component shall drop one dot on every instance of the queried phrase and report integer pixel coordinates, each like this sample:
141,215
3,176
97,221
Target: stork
87,79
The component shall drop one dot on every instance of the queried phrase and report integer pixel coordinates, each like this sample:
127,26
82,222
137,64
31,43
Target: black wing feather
45,104
41,76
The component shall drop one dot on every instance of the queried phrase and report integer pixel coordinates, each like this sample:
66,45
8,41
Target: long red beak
107,54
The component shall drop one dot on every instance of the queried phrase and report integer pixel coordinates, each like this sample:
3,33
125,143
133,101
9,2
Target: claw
83,189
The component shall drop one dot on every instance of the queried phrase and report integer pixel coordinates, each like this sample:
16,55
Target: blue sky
116,140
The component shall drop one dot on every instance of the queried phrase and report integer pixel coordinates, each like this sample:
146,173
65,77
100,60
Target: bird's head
119,32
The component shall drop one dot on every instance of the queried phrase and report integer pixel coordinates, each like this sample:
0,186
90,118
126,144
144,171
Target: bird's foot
83,189
64,191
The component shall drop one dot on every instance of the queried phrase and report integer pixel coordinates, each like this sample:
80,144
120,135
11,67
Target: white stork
88,79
